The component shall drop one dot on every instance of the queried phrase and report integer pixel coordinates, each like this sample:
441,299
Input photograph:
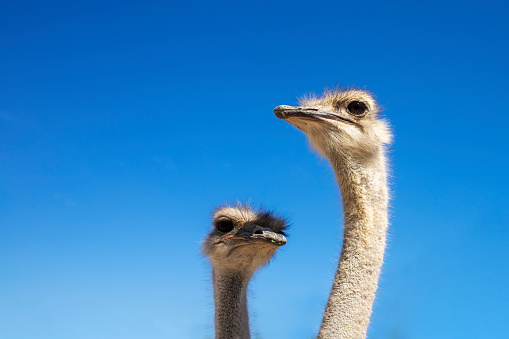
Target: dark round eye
357,108
224,225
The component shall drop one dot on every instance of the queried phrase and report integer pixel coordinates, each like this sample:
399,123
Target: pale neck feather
365,198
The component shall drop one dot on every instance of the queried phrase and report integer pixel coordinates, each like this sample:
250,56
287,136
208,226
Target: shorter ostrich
242,240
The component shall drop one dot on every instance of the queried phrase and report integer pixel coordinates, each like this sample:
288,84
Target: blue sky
123,124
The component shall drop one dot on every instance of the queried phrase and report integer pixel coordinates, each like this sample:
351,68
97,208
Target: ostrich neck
365,197
231,316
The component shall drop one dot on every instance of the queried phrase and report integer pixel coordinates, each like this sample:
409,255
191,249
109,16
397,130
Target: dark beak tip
279,115
279,112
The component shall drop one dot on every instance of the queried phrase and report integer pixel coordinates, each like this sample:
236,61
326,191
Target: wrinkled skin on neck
230,301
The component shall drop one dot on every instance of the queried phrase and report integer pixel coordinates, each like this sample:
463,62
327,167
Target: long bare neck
231,316
365,197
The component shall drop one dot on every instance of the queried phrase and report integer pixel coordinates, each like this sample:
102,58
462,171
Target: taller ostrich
344,126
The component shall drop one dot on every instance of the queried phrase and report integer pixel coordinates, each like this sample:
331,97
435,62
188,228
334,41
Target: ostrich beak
285,111
310,113
266,235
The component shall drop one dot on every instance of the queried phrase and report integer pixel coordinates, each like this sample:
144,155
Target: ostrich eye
224,225
357,108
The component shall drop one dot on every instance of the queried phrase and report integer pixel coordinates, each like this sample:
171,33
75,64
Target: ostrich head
340,120
243,239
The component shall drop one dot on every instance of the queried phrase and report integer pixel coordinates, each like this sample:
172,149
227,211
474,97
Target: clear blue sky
123,124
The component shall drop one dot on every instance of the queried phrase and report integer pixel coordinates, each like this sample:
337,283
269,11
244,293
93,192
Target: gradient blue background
122,124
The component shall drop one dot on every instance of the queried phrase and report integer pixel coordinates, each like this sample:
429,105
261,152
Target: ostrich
241,241
344,126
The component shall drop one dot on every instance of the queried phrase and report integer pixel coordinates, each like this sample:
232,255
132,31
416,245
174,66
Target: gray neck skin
364,190
231,317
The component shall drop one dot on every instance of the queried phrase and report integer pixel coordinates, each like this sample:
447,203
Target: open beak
274,238
266,235
258,234
310,113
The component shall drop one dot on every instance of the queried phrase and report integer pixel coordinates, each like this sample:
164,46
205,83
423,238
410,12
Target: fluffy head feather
349,118
243,238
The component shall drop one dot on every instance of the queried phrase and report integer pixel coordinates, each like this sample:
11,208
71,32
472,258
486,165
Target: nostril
258,232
